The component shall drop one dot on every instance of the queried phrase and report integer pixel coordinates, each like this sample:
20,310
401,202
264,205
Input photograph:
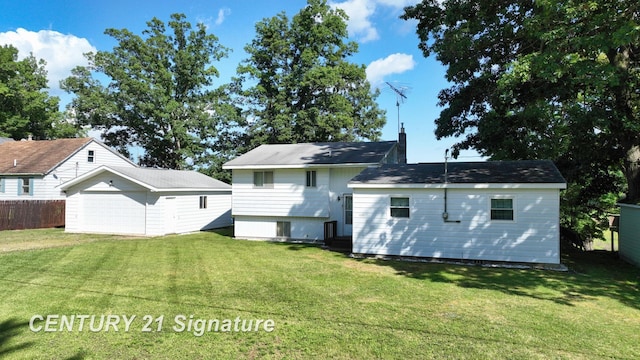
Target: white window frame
399,207
29,186
262,184
91,156
347,210
312,178
503,197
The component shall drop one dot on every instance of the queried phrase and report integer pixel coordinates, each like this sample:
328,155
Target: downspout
445,214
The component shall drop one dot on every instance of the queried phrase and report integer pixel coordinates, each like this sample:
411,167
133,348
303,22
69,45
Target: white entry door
347,227
170,215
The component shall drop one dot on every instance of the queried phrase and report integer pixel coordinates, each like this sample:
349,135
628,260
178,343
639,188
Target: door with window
347,227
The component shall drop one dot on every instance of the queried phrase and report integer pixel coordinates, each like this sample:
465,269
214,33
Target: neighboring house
31,170
495,211
629,233
145,201
289,191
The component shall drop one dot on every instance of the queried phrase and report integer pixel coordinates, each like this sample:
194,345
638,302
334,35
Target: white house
144,201
31,170
495,211
288,191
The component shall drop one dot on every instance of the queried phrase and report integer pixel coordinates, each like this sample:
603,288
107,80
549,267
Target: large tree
159,95
25,106
301,86
542,79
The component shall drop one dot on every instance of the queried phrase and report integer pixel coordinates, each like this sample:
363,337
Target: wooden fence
31,214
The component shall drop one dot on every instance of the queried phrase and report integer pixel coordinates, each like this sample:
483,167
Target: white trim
295,166
461,186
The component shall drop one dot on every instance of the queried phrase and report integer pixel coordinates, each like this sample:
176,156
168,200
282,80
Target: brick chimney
402,146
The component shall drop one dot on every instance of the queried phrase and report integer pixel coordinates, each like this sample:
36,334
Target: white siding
45,187
289,196
532,237
264,228
110,192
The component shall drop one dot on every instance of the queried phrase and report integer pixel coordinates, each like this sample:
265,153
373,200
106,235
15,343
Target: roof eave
459,186
296,166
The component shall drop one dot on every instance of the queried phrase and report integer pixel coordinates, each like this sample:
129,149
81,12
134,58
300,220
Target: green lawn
323,304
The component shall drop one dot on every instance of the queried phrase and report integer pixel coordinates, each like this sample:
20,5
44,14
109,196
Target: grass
324,304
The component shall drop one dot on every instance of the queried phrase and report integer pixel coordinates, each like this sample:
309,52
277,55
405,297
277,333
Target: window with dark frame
311,178
91,156
502,209
203,202
263,179
400,207
283,229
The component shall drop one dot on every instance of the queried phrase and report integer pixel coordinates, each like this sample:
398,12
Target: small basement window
501,209
400,207
263,179
203,202
283,229
91,156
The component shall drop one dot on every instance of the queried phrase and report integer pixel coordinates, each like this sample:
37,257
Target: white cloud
61,52
222,15
360,13
392,64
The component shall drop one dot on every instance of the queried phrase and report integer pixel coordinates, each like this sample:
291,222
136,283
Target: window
400,207
501,209
263,179
91,156
2,185
348,209
203,202
283,229
311,178
25,186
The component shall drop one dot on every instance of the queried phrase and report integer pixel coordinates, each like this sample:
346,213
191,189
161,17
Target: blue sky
61,31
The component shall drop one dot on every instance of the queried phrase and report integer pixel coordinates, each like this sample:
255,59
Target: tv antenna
400,97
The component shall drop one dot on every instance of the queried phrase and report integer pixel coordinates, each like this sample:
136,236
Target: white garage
142,201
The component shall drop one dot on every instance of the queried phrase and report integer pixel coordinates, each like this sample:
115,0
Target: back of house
289,191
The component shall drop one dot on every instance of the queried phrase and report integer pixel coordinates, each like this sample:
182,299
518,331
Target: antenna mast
400,97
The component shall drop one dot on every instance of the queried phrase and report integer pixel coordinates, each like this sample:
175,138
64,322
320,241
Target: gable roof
313,155
40,157
157,180
463,173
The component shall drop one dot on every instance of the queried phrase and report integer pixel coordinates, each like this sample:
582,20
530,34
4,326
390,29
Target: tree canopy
25,106
301,86
160,94
543,79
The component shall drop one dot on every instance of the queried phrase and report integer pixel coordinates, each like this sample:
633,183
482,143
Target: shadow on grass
591,274
9,329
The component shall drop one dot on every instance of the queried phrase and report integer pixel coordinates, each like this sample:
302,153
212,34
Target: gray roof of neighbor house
157,179
313,154
3,139
489,172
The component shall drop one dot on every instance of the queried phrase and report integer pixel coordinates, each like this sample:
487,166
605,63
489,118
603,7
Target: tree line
528,79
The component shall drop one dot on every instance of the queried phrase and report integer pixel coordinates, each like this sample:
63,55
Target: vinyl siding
533,236
629,240
264,228
289,195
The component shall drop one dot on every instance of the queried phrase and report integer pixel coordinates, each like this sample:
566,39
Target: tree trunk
632,173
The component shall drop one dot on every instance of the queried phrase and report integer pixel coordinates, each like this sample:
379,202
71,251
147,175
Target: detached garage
143,201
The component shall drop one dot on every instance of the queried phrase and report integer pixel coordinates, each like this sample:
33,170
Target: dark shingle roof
166,179
37,157
521,171
314,154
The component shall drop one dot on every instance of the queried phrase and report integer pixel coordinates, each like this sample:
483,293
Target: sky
60,32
